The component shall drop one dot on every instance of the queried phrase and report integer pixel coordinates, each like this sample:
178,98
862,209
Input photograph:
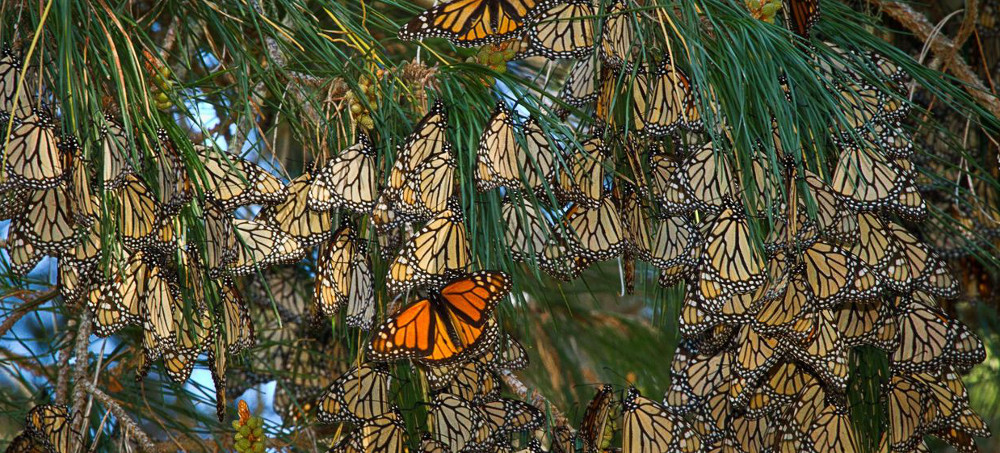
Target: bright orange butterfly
447,326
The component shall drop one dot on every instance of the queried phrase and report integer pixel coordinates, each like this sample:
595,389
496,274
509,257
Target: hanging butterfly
502,161
350,180
433,255
116,152
596,234
344,279
11,68
51,426
230,181
173,183
564,30
293,217
664,100
597,427
451,325
802,16
579,88
359,395
472,23
618,35
583,181
422,178
32,155
260,245
649,427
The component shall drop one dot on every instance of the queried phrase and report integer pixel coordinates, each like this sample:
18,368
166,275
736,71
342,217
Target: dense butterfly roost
768,330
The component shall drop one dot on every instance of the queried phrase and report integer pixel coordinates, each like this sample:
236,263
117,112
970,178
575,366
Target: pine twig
943,48
80,371
62,382
129,425
536,399
27,306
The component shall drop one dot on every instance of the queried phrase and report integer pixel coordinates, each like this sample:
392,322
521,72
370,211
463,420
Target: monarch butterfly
423,177
293,217
23,254
596,234
824,351
834,274
358,395
564,30
833,218
344,278
502,161
525,229
866,179
471,381
174,185
597,427
867,323
802,16
506,354
140,216
262,245
11,67
507,415
442,328
48,223
217,366
607,101
928,338
563,259
429,445
230,181
77,269
617,35
472,23
192,334
291,300
648,427
907,413
756,353
579,89
583,182
832,431
85,206
704,180
237,333
731,263
117,301
220,247
159,304
664,100
456,422
51,425
116,150
918,267
383,434
435,254
349,180
666,244
32,155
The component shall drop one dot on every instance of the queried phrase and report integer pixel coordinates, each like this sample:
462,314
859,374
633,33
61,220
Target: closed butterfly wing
580,87
649,428
230,181
565,30
437,252
348,180
260,245
356,396
32,154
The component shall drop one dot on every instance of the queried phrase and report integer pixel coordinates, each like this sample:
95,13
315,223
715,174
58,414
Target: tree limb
534,397
130,426
943,48
27,306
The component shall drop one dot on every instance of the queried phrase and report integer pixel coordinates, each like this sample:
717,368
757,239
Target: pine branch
28,305
943,48
534,397
129,425
80,370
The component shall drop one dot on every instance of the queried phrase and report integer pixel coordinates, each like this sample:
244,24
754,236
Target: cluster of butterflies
769,330
47,428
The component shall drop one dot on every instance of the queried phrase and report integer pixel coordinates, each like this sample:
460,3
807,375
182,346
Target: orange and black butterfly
447,326
472,23
802,16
